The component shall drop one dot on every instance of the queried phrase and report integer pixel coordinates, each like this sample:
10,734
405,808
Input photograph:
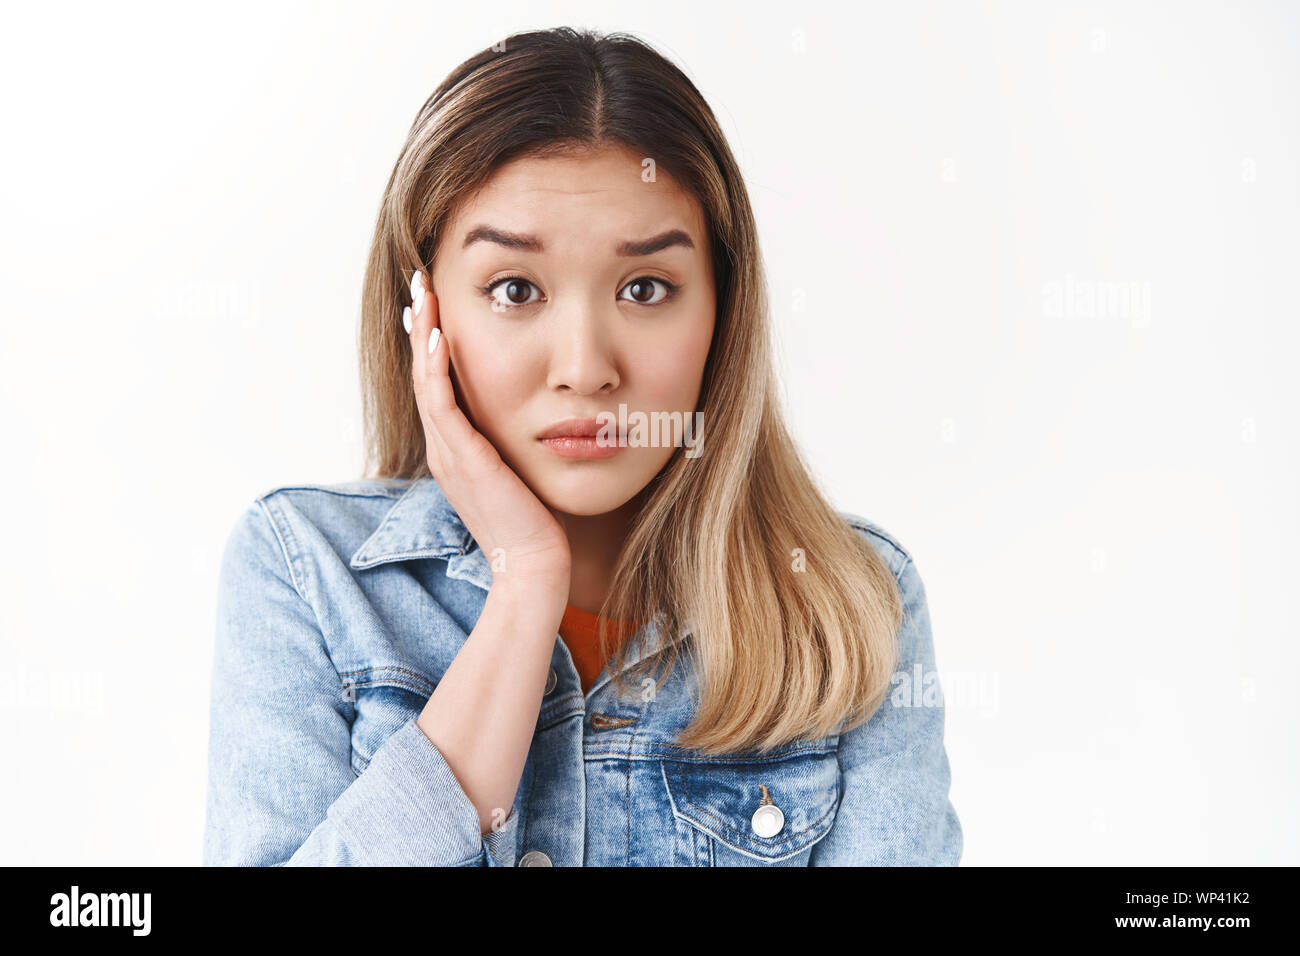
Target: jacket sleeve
281,788
894,776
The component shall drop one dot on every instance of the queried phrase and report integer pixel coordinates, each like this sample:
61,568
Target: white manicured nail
433,339
417,291
406,319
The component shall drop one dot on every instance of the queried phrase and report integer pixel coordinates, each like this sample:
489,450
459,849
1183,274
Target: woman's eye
514,292
510,293
643,290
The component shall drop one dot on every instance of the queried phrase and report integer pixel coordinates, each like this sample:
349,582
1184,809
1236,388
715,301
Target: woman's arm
894,808
483,713
281,789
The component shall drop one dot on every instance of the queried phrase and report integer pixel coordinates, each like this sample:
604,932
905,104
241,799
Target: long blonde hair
781,652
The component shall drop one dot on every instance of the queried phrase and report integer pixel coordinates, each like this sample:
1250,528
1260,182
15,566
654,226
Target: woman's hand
520,536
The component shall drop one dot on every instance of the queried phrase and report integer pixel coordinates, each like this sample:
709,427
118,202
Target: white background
1102,503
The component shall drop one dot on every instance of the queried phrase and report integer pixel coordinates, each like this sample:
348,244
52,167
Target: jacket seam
299,588
284,553
389,682
862,526
526,806
907,615
406,672
679,757
395,493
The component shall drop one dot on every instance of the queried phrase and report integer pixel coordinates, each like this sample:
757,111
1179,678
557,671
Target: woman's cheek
474,375
671,376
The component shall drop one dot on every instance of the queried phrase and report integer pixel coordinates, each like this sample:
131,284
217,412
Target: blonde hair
780,654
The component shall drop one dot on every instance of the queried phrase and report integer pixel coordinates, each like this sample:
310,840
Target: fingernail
433,339
417,290
406,319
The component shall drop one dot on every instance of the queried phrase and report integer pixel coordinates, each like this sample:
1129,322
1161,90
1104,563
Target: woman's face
583,321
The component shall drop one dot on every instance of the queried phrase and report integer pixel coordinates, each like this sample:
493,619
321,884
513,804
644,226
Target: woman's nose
582,351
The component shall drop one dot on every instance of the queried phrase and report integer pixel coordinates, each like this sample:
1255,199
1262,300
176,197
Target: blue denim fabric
339,608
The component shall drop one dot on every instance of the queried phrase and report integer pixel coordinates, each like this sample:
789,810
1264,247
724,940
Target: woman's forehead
537,204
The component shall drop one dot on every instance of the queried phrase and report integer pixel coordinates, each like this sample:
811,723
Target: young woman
588,608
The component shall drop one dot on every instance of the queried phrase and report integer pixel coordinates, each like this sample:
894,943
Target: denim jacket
339,608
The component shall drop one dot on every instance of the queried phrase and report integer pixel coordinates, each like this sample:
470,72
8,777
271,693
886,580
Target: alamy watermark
652,430
953,689
203,300
102,909
1093,299
39,689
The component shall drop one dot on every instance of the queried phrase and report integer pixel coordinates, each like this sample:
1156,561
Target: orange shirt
581,632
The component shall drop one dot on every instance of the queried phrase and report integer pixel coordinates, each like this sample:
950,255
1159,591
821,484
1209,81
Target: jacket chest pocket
383,700
752,812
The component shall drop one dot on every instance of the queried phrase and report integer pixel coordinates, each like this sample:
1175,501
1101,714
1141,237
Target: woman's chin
585,492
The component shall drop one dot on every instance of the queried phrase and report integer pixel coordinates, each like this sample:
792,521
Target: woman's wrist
545,590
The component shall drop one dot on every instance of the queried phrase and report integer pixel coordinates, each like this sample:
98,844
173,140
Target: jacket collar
423,524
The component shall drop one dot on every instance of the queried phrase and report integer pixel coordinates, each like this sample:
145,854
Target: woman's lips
577,438
579,446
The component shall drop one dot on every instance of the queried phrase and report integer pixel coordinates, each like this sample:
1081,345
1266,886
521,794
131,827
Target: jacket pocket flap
765,808
382,700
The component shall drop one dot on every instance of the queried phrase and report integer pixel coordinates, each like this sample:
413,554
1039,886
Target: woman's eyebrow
526,243
646,247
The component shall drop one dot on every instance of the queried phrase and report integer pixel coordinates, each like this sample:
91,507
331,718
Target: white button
535,857
551,679
768,820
